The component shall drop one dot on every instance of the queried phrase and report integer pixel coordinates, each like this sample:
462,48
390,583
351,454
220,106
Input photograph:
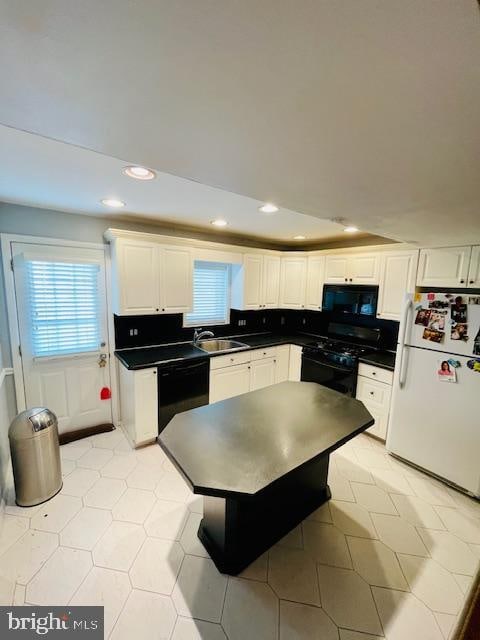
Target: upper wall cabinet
397,277
445,267
315,279
149,278
352,269
256,283
474,270
293,278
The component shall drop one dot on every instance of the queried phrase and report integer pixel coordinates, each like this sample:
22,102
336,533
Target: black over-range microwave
350,298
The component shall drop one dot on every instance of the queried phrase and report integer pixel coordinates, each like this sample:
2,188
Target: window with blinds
64,307
211,294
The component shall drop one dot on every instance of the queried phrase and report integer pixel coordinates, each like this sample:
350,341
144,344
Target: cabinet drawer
230,359
259,354
375,373
374,394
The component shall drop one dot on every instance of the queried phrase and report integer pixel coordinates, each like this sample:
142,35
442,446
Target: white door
262,373
474,271
364,269
136,278
292,282
336,269
315,277
271,281
176,281
253,272
397,279
62,316
229,382
445,267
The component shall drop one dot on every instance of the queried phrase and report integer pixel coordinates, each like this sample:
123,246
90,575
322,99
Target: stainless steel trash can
35,451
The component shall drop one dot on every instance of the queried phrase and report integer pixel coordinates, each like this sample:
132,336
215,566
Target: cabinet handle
346,279
231,360
462,281
472,282
275,362
249,367
157,309
374,373
154,373
372,393
351,279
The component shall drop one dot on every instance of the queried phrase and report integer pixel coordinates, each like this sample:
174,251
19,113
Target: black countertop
145,357
240,446
383,359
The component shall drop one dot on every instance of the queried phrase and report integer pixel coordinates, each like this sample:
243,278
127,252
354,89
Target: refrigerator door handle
404,324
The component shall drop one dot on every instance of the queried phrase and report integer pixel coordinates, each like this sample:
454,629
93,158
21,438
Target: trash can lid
29,422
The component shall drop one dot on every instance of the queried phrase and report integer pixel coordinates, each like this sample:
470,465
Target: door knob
102,360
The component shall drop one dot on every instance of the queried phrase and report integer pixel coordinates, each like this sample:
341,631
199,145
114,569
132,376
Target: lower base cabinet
139,404
374,389
260,368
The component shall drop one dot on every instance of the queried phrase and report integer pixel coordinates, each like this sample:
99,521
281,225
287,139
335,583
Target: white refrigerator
435,414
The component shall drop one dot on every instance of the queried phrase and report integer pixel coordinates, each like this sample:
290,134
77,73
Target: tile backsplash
140,331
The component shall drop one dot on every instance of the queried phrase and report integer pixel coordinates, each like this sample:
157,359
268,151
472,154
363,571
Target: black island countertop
244,444
158,355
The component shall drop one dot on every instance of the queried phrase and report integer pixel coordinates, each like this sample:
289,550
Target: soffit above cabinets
361,110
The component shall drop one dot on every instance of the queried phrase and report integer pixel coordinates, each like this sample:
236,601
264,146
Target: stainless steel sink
220,346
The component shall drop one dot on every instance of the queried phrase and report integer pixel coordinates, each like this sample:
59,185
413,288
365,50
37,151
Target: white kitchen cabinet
315,279
135,268
293,277
262,373
444,267
282,363
336,269
256,283
139,404
374,389
361,268
149,278
295,364
271,281
229,382
474,270
176,280
397,278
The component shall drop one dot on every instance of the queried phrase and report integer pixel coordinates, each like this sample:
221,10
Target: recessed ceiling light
139,173
219,222
350,229
268,207
299,238
113,202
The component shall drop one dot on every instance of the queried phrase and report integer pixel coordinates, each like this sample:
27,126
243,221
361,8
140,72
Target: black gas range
333,361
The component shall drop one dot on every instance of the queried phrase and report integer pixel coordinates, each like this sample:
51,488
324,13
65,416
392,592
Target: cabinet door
176,281
252,283
262,373
445,267
228,382
146,405
282,363
137,273
315,278
364,269
295,364
271,281
292,282
474,271
397,278
336,269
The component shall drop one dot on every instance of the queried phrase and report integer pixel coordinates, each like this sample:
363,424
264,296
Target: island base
236,531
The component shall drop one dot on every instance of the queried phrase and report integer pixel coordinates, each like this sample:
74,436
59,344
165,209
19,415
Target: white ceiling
41,172
364,110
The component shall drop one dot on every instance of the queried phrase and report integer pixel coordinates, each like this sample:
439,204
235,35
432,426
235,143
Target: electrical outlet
133,332
282,320
304,321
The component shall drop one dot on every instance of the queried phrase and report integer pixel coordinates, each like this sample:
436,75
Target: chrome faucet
199,334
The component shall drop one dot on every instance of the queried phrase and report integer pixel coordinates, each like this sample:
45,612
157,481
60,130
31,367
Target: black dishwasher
181,386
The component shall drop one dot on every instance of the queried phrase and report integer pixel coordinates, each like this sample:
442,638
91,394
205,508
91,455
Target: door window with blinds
211,295
64,307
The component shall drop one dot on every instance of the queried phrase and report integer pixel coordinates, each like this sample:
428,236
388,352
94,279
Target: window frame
189,325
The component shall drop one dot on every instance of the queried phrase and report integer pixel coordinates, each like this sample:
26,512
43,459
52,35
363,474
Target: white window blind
211,281
64,307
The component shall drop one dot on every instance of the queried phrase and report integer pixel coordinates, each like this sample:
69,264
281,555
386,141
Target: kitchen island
261,462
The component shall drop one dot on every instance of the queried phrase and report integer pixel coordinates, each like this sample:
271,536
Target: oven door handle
329,365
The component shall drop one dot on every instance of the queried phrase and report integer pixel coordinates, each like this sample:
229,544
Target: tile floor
392,555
